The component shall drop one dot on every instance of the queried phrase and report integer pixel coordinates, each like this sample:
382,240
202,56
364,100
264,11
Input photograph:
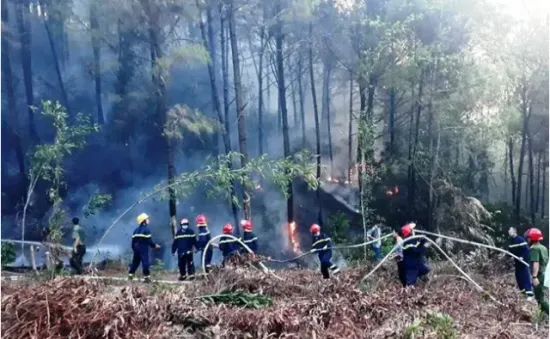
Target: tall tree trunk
412,155
432,120
326,107
392,114
23,24
94,25
543,189
506,174
159,84
350,126
241,123
7,77
525,115
209,44
532,204
537,194
56,64
317,127
511,168
282,99
225,70
294,104
301,98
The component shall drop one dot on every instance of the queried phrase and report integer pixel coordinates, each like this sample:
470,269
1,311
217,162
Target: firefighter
322,244
183,244
538,257
227,245
413,252
141,241
203,239
519,247
399,256
249,238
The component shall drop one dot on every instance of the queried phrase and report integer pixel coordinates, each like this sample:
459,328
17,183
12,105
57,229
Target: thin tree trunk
525,115
532,204
241,123
7,77
326,108
294,104
301,97
57,67
160,96
543,193
511,168
350,126
282,99
391,124
506,174
225,71
209,44
317,127
412,169
537,194
94,25
23,24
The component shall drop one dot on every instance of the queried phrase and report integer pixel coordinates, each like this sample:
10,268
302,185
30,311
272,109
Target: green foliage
8,253
240,299
434,324
217,175
182,118
96,203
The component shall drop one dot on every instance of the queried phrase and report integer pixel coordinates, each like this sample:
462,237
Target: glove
325,248
157,246
313,250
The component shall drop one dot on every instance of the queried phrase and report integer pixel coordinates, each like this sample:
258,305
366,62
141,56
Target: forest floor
242,302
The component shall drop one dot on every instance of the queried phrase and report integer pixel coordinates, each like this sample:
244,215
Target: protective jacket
184,241
141,239
250,239
228,246
319,242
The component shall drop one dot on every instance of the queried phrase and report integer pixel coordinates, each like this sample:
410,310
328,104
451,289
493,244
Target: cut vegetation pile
244,303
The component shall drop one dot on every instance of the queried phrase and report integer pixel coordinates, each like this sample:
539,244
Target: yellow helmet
141,218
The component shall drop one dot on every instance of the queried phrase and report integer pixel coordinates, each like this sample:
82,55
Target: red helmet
406,230
534,234
315,228
227,229
184,221
200,219
246,224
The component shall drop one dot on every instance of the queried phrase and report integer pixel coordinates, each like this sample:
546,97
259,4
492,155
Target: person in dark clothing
79,246
141,242
183,244
322,244
227,245
249,238
203,239
413,253
399,256
519,247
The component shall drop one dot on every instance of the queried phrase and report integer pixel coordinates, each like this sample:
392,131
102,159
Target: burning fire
294,237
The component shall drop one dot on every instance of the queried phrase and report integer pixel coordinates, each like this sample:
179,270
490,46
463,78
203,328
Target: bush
8,253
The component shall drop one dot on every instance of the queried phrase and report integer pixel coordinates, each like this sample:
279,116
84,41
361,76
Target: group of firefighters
410,252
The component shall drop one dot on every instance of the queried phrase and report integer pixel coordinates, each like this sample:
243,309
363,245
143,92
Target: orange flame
294,237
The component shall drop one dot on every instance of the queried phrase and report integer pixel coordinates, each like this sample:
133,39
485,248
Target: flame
294,237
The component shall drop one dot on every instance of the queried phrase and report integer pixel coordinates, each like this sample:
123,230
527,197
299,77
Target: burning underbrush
245,303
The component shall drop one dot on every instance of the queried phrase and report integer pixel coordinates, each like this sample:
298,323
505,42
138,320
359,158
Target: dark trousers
413,272
523,279
186,265
401,273
140,257
377,253
77,257
207,259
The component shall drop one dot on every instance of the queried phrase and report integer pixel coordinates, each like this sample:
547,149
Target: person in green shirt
538,258
79,246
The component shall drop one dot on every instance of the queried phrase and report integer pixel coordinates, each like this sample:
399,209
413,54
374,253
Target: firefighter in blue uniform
183,244
322,244
413,256
203,239
227,245
249,238
519,247
141,242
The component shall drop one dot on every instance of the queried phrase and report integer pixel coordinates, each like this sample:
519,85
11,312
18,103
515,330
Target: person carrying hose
141,241
519,247
538,258
413,253
399,256
203,239
227,245
183,244
322,244
249,238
